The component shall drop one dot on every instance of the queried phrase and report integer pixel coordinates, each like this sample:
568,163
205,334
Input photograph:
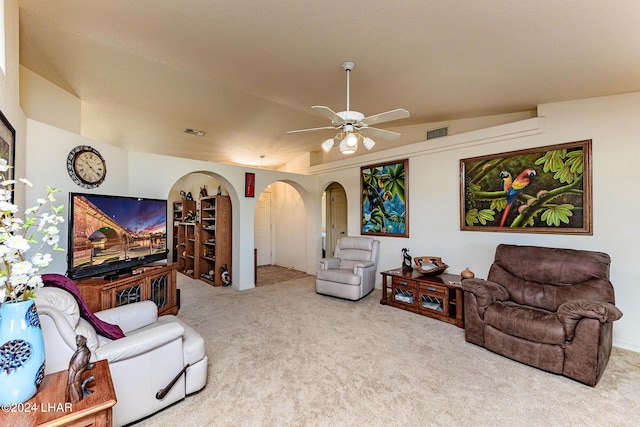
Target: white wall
47,166
43,101
150,175
9,88
434,194
289,227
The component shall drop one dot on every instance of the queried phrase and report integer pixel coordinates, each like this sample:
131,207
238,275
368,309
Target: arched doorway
280,234
334,217
201,228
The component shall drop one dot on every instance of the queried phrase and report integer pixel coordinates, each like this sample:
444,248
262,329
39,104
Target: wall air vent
437,133
195,132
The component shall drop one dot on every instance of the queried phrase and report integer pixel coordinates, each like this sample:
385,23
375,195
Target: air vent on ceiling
438,133
195,132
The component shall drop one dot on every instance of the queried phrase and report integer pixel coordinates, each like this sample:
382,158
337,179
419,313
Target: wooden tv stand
155,282
439,297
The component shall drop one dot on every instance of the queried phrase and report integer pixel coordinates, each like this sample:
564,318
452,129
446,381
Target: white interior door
262,229
336,217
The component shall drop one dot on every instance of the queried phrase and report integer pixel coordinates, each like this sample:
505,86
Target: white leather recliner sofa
150,358
351,273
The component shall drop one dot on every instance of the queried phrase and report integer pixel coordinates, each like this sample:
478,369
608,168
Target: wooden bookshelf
180,211
187,246
214,244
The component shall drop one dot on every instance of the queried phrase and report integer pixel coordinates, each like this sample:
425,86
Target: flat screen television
112,235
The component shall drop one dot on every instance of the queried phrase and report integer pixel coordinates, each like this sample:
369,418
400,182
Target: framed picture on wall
538,190
7,146
384,189
249,184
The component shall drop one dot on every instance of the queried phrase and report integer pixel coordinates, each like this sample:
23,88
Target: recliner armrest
486,292
329,263
363,265
140,343
571,312
130,316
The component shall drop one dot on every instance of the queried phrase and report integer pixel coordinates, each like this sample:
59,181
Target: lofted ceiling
246,71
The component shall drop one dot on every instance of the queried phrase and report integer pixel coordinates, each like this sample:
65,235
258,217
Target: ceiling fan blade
330,114
379,133
311,129
399,113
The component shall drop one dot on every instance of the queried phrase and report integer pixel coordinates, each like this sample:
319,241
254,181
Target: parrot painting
515,189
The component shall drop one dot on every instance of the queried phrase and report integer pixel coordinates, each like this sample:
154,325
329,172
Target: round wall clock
86,166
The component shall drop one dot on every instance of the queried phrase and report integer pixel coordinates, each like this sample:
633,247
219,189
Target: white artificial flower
26,182
41,260
18,243
21,268
51,239
15,225
6,206
22,276
18,280
51,230
35,281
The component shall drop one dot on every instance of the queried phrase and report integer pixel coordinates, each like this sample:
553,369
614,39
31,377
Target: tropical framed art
538,190
384,189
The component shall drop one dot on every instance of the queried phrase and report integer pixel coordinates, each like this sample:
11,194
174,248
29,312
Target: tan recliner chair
154,352
351,273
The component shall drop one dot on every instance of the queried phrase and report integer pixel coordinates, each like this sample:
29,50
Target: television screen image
112,233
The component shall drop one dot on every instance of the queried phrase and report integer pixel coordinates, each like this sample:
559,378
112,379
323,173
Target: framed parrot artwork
538,190
384,189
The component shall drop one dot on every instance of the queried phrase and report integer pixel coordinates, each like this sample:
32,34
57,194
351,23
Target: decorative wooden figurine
79,363
406,262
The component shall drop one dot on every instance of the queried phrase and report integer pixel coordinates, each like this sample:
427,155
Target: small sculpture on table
77,388
406,260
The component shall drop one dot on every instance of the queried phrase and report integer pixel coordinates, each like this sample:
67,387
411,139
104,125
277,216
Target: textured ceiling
246,71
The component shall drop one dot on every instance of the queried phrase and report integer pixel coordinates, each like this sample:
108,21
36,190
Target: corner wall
9,89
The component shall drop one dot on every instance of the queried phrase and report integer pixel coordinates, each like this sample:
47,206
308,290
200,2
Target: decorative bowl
429,265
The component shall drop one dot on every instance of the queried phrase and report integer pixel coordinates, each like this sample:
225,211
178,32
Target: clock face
86,166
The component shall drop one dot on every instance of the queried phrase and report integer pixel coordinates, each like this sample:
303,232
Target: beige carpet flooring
282,355
270,274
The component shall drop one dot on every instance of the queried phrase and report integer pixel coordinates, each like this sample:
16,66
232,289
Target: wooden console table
48,408
153,282
439,297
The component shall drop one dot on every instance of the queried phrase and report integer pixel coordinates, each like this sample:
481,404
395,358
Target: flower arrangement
19,272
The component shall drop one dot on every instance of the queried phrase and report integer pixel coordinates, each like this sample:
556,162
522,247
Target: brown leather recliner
549,308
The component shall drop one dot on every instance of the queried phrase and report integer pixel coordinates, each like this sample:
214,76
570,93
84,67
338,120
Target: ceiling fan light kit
353,126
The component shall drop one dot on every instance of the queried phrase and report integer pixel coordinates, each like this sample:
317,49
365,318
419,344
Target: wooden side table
48,408
440,297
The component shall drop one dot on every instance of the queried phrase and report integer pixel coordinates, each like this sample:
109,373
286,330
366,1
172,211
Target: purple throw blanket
103,328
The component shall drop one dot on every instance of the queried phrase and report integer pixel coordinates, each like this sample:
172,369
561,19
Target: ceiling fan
353,126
